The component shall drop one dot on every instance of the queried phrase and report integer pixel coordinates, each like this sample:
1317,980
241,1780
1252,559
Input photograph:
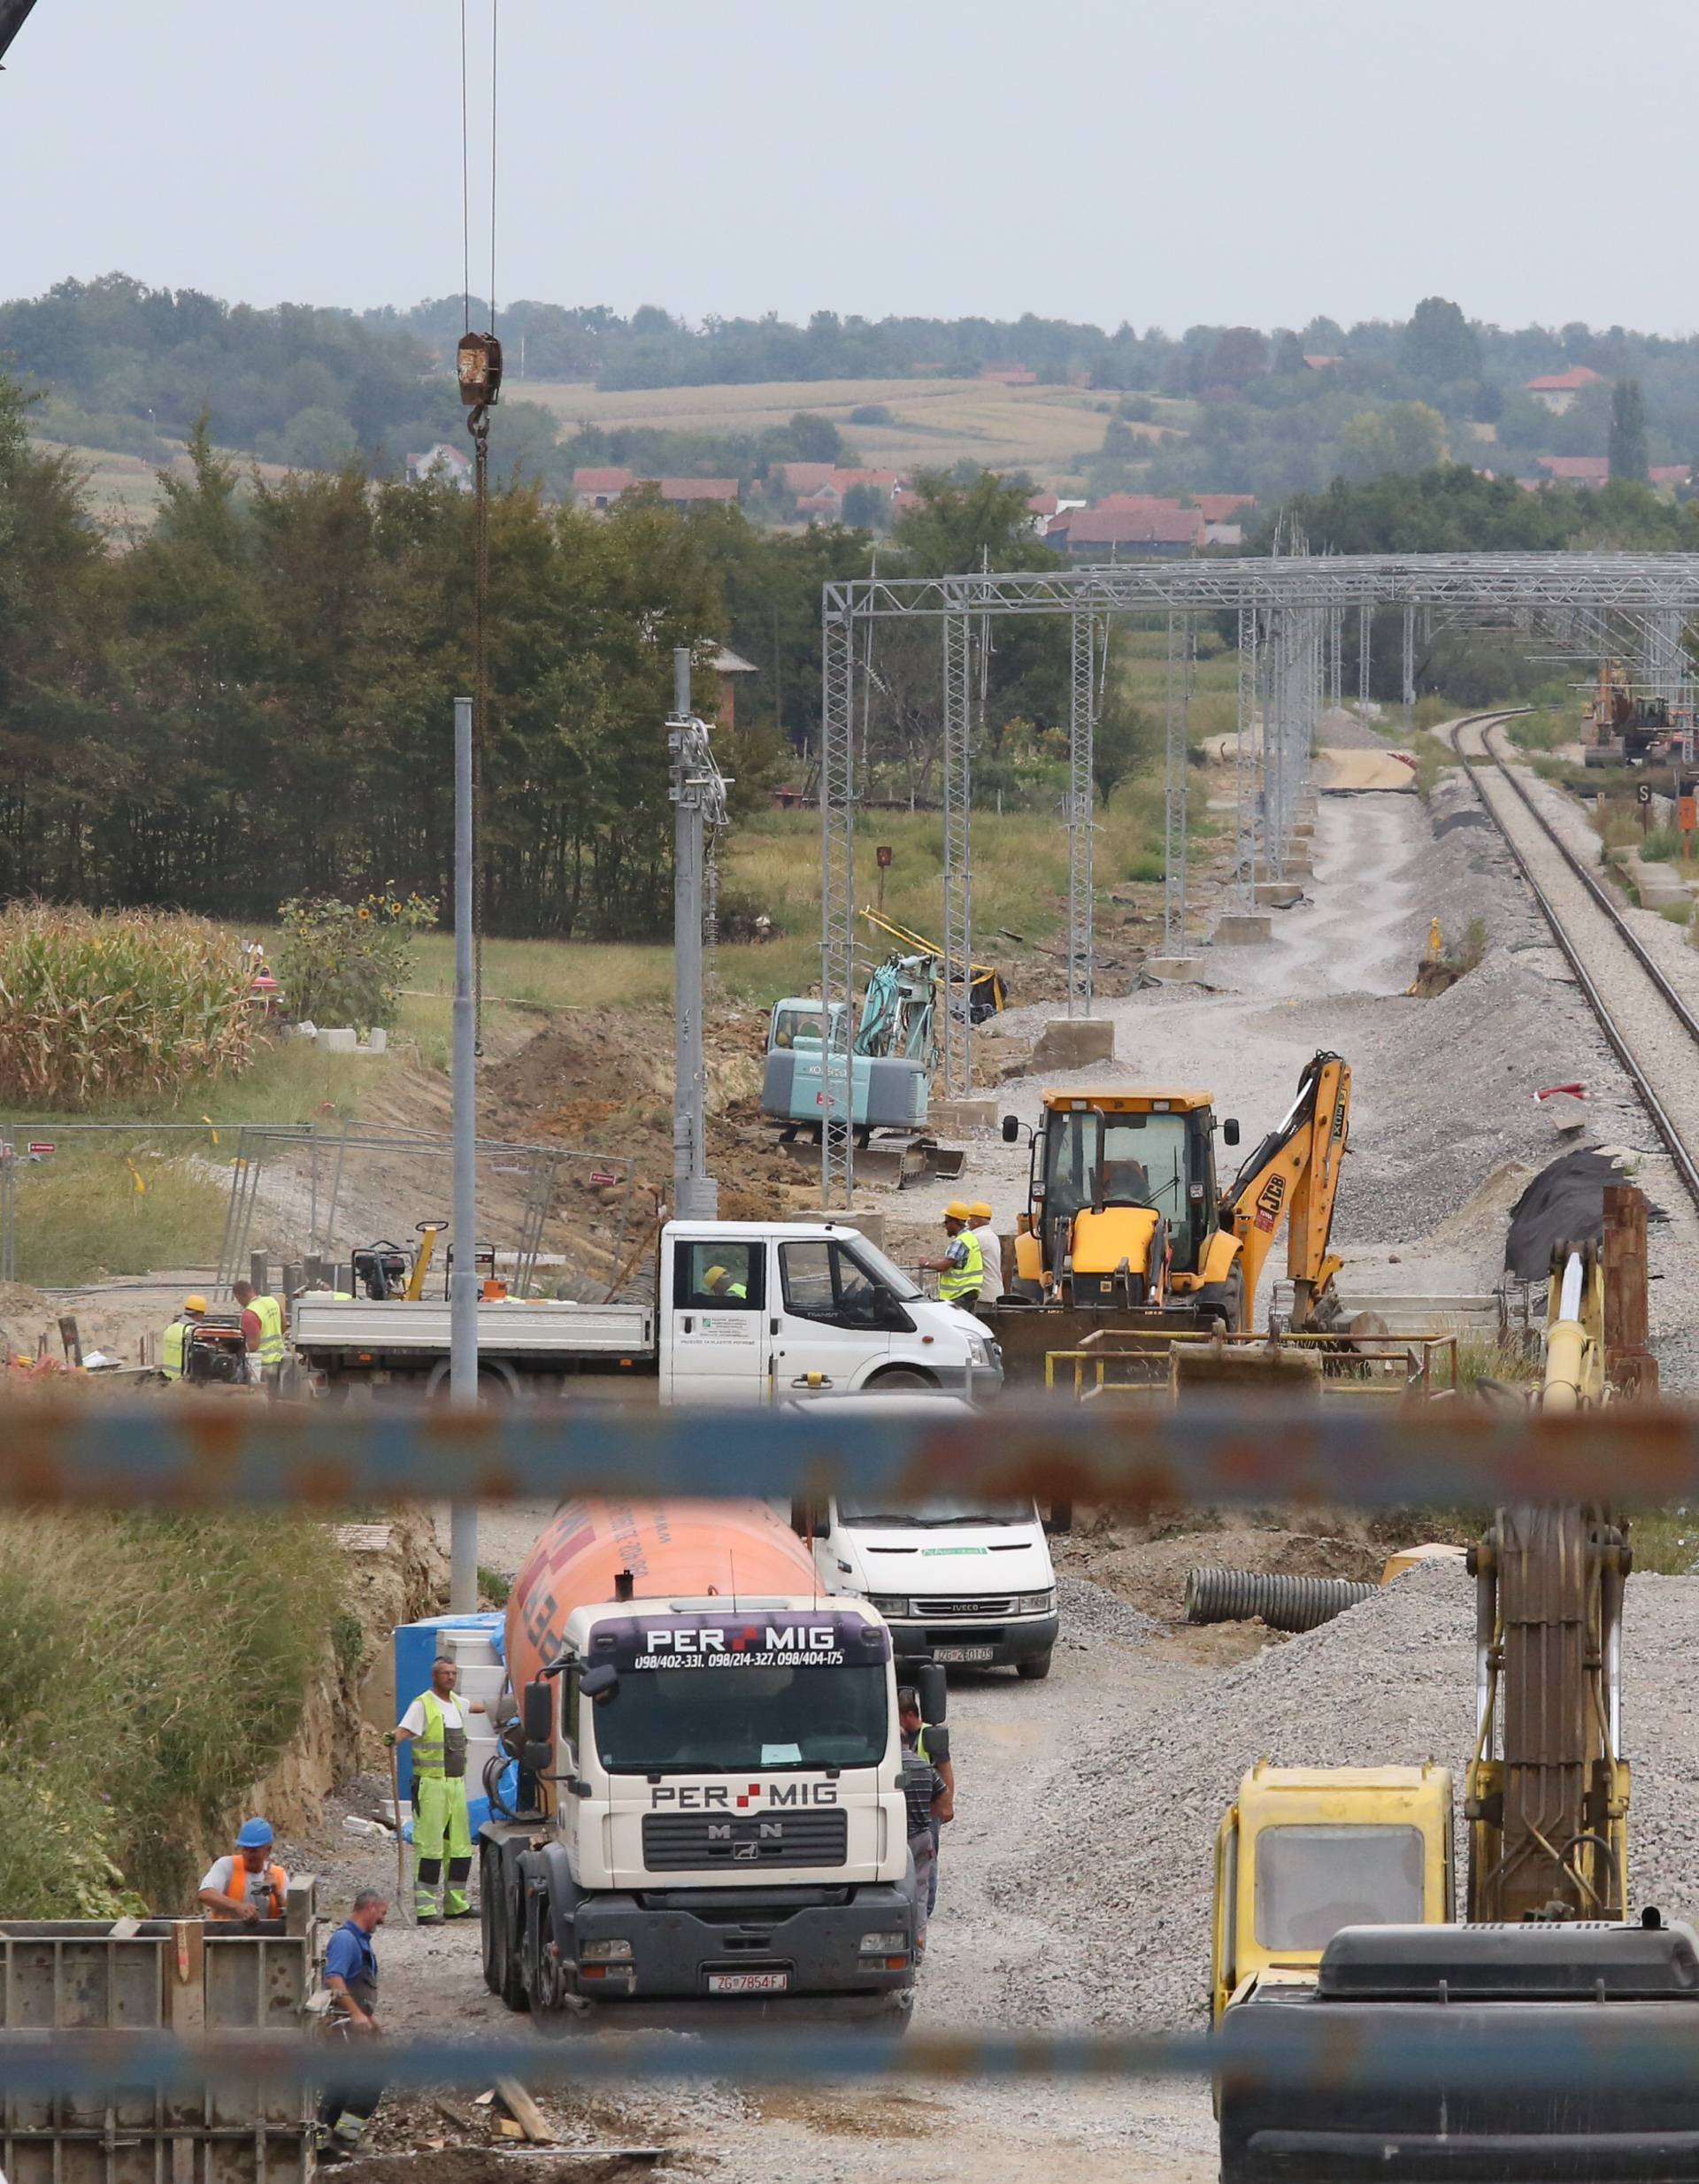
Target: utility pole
463,1282
699,792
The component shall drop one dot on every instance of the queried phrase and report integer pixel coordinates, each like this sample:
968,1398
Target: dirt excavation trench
1074,1884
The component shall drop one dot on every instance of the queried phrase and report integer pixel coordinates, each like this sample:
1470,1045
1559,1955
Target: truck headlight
884,1944
604,1952
1037,1604
889,1603
977,1351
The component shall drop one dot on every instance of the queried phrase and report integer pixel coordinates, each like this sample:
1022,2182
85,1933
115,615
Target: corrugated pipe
1283,1602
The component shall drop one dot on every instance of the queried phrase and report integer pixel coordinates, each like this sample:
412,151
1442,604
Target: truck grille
676,1841
933,1609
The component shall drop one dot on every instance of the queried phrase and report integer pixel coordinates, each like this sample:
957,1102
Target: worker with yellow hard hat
173,1344
961,1271
979,1218
717,1282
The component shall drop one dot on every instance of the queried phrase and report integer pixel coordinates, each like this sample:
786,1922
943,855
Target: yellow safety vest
441,1750
172,1348
269,1312
967,1280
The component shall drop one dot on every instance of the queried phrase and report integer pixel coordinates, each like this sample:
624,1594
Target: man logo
720,1833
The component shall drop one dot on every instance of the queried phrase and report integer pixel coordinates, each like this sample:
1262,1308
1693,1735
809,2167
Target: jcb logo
1270,1199
1339,1114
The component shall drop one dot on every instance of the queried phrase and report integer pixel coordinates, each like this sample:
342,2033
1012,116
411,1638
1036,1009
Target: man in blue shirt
351,1976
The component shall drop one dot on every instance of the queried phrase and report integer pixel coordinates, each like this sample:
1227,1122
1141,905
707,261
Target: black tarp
1564,1204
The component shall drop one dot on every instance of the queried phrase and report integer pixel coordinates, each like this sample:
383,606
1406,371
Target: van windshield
709,1720
927,1514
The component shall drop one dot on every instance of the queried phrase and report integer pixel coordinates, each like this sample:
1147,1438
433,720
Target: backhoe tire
1221,1304
1036,1670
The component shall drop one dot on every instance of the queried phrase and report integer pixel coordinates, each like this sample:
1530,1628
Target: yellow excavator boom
1294,1174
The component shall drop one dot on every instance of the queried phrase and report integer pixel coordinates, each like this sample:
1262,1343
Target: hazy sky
1257,160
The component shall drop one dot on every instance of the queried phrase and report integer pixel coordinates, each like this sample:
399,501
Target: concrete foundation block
1239,928
1279,894
960,1118
865,1220
1074,1042
1174,970
1305,831
337,1039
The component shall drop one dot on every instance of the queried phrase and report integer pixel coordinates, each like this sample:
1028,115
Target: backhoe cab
1124,1211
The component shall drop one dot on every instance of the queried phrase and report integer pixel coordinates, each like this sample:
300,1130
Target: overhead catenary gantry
1288,609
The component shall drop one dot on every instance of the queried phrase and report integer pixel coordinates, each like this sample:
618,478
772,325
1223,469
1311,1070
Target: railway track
1650,1028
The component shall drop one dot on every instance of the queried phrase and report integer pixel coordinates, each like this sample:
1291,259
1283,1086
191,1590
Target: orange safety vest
277,1879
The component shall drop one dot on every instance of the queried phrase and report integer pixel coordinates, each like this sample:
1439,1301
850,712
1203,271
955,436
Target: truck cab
711,1811
755,1313
965,1582
1304,1851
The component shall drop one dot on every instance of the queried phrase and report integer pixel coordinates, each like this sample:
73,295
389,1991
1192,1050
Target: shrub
133,1004
346,963
150,1668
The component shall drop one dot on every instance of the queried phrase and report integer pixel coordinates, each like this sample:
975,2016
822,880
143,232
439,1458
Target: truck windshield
939,1512
728,1720
872,1261
1141,1159
1310,1881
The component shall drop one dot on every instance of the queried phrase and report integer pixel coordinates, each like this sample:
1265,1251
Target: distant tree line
255,700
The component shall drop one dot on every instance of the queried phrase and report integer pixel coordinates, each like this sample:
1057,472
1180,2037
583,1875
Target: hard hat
956,1211
197,1303
980,1209
255,1835
714,1274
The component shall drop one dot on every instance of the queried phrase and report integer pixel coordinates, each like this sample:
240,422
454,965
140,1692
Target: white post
463,1283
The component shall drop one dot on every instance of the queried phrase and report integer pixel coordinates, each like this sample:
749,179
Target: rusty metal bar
206,1454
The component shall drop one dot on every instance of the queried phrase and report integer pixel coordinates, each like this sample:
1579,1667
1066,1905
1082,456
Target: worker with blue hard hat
248,1885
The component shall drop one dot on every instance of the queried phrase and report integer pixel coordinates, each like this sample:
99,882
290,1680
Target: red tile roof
1670,474
808,477
1135,504
1092,526
695,488
1222,507
1320,364
1568,382
612,480
1043,504
1578,469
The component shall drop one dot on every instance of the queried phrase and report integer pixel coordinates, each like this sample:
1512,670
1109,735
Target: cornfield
130,1005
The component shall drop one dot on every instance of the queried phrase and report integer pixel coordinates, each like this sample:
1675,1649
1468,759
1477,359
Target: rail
1686,1165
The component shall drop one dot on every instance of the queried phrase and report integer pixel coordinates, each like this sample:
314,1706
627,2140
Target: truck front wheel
1036,1670
898,1382
556,2011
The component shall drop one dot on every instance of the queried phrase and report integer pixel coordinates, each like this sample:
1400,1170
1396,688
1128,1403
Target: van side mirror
1230,1132
599,1683
932,1688
1010,1129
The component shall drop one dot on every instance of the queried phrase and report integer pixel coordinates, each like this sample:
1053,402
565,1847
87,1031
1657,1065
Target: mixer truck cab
753,1313
710,1815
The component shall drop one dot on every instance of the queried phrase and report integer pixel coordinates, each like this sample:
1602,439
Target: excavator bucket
1558,2054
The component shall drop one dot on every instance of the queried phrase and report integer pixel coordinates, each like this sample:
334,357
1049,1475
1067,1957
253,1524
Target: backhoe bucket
1560,2054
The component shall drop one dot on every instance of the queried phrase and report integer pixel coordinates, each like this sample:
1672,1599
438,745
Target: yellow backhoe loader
1347,1925
1125,1218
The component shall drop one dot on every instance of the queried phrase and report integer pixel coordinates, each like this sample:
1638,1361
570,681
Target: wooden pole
1629,1364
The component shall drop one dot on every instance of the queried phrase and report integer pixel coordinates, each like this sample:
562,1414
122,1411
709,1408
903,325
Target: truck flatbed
545,1330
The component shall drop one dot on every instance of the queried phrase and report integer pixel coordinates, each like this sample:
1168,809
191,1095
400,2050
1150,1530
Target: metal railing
1139,1362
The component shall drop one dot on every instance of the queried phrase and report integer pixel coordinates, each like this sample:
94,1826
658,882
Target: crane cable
478,362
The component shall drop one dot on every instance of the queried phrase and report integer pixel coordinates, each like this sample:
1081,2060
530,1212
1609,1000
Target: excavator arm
14,15
1293,1175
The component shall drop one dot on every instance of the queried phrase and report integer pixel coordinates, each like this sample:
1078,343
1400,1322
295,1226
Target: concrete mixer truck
709,1816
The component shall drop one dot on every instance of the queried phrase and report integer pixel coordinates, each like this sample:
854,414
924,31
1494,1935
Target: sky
1168,162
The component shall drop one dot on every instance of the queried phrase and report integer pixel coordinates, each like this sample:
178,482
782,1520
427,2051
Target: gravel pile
1125,1840
1091,1611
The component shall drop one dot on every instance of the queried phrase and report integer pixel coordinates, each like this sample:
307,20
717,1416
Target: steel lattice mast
838,903
1083,728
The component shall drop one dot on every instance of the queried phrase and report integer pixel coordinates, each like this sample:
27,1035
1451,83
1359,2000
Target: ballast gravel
1125,1836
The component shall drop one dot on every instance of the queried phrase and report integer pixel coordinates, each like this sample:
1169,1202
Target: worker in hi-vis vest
173,1344
436,1726
961,1271
249,1884
262,1334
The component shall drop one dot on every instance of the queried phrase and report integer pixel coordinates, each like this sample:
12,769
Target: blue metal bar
1562,2050
201,1454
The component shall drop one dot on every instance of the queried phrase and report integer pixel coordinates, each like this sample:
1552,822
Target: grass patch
1481,1359
1542,731
1665,1543
1677,914
493,1585
150,1667
1432,758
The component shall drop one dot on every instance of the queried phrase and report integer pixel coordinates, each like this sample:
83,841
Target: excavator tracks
1650,1028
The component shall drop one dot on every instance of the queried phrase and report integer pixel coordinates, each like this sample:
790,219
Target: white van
968,1584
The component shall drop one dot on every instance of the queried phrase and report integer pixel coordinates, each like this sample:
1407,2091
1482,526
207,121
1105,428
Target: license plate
748,1982
962,1654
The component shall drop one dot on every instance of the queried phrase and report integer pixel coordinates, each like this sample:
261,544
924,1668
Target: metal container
172,1976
